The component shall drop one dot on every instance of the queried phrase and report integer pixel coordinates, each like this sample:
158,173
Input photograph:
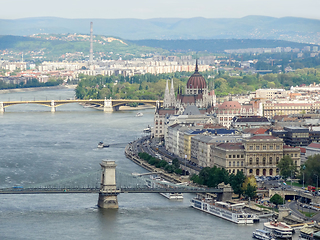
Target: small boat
279,229
102,145
262,234
147,130
139,114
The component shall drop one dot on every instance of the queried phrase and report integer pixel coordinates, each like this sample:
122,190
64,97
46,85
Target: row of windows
234,163
263,161
264,147
264,172
234,171
157,122
236,156
225,119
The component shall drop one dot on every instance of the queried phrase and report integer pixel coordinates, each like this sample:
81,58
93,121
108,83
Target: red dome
196,80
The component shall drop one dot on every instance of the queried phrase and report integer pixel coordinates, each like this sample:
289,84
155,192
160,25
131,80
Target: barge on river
227,211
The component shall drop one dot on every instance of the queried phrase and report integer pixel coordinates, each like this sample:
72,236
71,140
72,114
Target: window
229,156
270,160
250,171
264,161
295,155
238,164
257,161
264,147
229,164
234,163
160,131
271,147
277,160
251,147
250,161
291,155
234,156
241,163
257,147
241,156
157,122
277,147
295,162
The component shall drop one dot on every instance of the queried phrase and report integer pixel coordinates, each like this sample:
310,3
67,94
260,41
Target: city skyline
143,9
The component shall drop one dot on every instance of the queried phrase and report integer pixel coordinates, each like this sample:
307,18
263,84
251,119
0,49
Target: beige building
257,156
272,109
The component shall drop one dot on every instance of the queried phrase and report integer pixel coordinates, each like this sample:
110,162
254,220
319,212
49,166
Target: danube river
38,146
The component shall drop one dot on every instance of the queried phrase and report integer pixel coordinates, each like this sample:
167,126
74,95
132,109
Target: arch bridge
108,105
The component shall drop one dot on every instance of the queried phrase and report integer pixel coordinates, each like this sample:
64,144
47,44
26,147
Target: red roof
314,145
230,105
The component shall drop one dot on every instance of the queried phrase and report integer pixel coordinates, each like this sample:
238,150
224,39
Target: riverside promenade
131,152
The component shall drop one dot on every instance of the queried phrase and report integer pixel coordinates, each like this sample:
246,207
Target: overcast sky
144,9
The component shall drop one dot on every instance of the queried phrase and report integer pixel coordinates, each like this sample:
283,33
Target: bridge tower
108,189
1,107
53,107
107,105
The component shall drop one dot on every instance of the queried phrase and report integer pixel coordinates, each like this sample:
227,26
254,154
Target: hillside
55,46
250,27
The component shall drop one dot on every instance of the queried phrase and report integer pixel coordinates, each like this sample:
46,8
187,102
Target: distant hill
215,45
250,27
56,45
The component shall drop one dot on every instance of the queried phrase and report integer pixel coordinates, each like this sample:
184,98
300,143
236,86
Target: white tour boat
139,114
279,229
230,212
262,234
157,182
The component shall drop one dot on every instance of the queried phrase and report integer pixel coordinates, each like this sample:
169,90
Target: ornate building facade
196,94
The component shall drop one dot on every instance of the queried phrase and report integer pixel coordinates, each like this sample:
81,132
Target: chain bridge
108,183
108,105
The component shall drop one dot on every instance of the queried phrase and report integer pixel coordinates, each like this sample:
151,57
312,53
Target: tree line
150,86
29,84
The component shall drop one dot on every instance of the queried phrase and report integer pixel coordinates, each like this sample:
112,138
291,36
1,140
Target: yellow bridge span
108,105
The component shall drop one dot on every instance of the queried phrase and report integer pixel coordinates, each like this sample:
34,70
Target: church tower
172,95
167,97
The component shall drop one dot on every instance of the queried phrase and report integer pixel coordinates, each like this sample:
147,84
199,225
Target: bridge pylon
107,105
1,107
108,189
53,107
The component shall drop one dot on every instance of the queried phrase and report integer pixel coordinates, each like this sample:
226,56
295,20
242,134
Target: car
306,191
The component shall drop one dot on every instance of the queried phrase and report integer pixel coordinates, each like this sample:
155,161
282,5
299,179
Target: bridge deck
97,190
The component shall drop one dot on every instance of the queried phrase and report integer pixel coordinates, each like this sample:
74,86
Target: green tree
287,167
276,199
176,163
250,191
236,182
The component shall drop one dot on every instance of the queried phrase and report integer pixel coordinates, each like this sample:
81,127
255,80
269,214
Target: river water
38,146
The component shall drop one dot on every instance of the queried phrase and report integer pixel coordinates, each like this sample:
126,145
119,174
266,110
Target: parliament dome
196,80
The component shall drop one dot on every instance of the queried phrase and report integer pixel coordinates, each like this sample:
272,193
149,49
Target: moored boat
227,211
157,182
262,234
279,229
139,114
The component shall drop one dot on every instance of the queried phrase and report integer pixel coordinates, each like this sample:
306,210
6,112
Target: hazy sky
143,9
